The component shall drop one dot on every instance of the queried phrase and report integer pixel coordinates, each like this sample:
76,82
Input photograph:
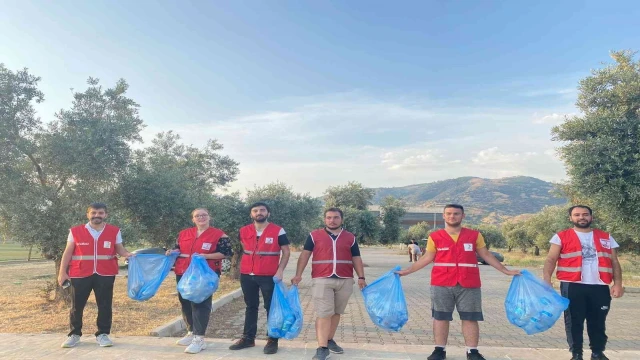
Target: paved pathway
495,331
47,346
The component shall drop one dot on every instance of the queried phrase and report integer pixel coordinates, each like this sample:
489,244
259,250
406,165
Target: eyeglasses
201,216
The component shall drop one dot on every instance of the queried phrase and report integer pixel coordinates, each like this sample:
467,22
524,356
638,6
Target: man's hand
404,272
279,274
296,279
362,284
168,252
511,272
548,281
128,255
62,277
617,291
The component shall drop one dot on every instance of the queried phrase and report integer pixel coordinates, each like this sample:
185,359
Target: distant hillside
492,198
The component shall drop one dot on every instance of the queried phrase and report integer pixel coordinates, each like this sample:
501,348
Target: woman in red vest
214,245
587,263
455,280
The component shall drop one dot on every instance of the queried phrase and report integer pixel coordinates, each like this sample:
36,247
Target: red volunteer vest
94,256
332,257
261,256
455,261
190,243
570,261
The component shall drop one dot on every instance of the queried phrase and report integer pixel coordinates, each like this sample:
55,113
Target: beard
454,224
582,225
96,220
333,228
259,219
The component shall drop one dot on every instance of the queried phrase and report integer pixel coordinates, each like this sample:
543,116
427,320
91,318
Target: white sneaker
197,345
186,340
71,341
103,340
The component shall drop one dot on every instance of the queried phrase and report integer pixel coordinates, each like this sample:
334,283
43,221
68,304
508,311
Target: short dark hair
97,206
334,209
455,206
580,206
258,204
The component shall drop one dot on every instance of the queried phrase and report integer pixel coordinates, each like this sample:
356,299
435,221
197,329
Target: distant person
455,280
214,245
587,262
414,251
335,255
89,263
266,254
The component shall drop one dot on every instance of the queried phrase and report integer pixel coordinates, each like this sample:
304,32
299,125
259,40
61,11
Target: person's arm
491,260
358,266
303,260
284,259
550,262
616,290
223,250
64,263
421,263
120,250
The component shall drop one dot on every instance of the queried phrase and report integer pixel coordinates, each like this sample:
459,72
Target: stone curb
177,324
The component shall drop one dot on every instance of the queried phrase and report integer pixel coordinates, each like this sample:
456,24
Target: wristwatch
361,278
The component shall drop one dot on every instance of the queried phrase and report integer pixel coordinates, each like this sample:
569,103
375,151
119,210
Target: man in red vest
90,259
263,243
335,255
455,280
587,263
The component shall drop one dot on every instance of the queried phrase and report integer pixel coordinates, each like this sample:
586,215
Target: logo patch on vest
468,247
83,243
268,241
107,244
206,246
606,243
443,249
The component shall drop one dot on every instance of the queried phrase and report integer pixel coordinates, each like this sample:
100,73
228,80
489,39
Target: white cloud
551,119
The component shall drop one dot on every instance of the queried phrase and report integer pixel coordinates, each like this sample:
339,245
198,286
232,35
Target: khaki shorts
331,295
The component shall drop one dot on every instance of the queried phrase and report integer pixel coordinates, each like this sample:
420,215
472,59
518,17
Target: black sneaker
242,344
334,348
271,347
438,354
321,354
598,356
577,356
475,355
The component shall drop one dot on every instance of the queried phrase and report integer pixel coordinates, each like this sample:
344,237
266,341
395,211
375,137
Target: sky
318,93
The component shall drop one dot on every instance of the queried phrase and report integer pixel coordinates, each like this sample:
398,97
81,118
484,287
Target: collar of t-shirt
333,236
95,233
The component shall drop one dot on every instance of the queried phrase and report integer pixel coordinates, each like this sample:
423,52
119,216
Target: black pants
102,287
590,302
195,315
251,285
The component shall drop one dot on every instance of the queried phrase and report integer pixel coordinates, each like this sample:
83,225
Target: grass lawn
25,310
12,251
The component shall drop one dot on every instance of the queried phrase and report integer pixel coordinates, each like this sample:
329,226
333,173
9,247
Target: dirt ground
24,308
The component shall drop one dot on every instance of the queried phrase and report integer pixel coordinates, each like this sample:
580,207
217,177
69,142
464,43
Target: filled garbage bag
281,316
385,302
146,273
199,281
532,304
293,298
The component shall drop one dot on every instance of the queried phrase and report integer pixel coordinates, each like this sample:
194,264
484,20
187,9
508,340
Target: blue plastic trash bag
146,273
532,304
293,298
281,317
385,302
199,281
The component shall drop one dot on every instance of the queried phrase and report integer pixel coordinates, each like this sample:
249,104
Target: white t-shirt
415,249
590,274
96,234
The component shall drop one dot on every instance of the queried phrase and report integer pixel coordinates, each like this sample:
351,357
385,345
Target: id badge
206,246
468,247
107,244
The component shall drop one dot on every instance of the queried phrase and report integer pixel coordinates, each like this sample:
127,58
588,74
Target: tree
516,236
167,180
351,195
419,231
601,145
492,235
362,223
392,211
50,172
297,213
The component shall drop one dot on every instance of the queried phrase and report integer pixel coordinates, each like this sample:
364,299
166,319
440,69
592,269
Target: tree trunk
509,249
60,294
29,256
536,251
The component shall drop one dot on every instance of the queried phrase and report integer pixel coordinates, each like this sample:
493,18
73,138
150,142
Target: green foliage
362,223
600,147
392,211
419,231
492,235
516,236
167,180
352,195
296,213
